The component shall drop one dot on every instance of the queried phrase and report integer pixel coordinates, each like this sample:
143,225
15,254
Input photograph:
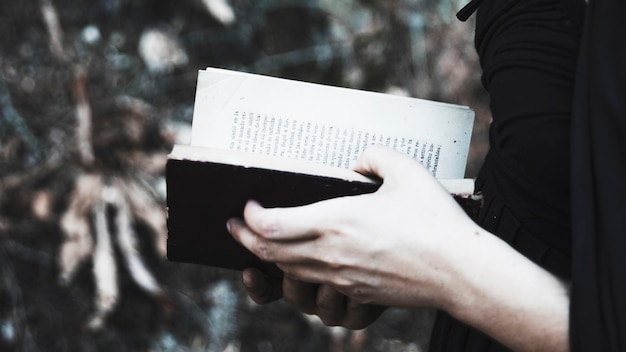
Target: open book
287,143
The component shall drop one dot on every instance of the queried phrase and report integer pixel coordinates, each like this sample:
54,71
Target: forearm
391,248
504,294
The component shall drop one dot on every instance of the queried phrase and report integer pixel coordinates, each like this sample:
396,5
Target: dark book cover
202,196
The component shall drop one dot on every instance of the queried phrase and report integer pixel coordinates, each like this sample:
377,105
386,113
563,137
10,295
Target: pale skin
407,245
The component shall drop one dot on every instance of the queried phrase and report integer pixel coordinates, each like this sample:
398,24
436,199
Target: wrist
495,289
467,260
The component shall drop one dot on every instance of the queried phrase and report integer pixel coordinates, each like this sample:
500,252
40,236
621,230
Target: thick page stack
288,143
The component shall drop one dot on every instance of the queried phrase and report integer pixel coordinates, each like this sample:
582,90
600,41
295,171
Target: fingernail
247,279
228,225
253,203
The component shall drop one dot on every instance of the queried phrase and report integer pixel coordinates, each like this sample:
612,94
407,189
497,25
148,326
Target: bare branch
127,242
146,208
51,19
83,116
104,268
78,243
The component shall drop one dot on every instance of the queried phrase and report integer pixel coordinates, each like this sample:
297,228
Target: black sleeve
598,304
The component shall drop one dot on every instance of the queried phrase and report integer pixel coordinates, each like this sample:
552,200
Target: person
541,269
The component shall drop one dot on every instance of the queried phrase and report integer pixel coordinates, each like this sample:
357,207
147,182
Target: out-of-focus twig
104,268
127,243
78,243
145,207
51,19
83,116
9,116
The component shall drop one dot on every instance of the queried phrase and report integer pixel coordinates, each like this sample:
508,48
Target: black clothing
528,51
598,299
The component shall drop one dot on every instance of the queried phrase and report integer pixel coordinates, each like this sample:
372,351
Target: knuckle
270,227
343,284
263,250
327,306
333,261
359,296
291,272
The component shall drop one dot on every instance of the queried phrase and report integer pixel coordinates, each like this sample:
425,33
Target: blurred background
94,93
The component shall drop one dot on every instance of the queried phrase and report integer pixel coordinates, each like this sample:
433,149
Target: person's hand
410,245
391,247
332,307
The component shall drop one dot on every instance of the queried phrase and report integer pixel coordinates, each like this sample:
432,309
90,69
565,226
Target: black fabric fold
598,300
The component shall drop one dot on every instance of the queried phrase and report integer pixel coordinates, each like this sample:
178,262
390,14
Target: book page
325,124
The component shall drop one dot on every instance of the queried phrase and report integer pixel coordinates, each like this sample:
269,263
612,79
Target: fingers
261,288
336,309
301,294
387,163
332,307
359,316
